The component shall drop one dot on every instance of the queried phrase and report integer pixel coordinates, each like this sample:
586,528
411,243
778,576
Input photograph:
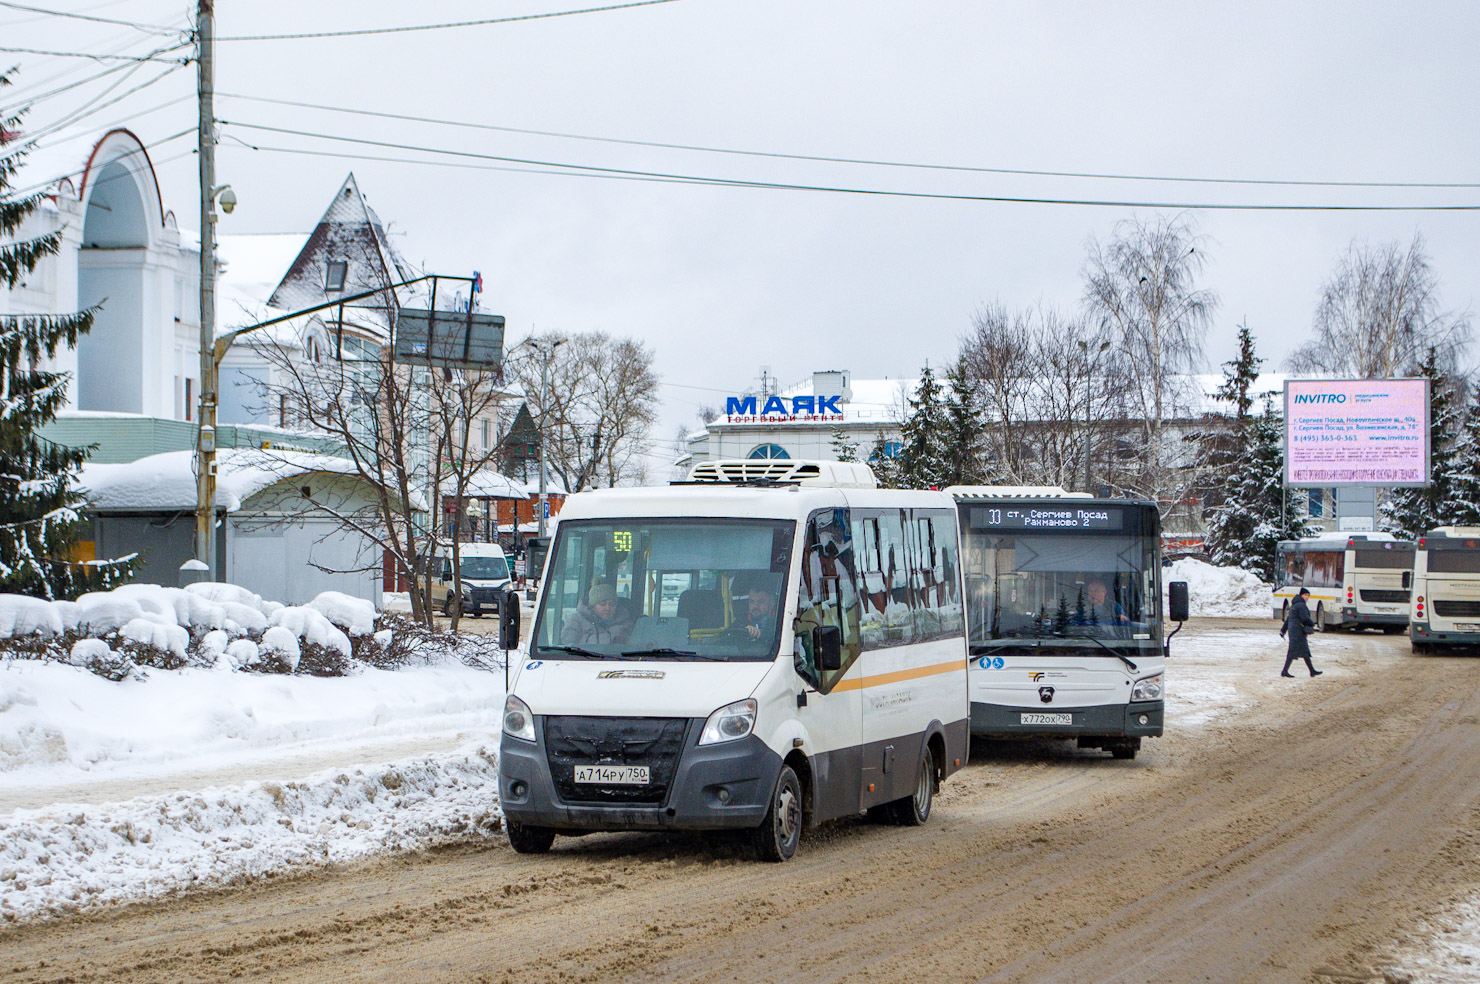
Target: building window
487,433
891,449
338,270
768,451
189,398
1316,499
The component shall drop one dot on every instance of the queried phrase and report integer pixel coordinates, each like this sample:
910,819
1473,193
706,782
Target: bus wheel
1320,618
1126,749
777,837
914,810
1419,648
529,840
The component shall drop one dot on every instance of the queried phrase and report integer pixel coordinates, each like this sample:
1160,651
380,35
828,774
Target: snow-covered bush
225,627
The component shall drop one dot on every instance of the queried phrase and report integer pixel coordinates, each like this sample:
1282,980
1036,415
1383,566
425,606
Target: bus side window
827,595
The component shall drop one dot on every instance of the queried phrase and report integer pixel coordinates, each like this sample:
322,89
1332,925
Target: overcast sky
723,280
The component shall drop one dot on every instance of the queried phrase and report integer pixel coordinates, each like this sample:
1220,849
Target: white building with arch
122,250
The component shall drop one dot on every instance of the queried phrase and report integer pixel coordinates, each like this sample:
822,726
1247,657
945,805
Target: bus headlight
1147,689
518,722
729,723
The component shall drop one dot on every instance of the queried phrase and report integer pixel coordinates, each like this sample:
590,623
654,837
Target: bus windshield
641,588
1072,590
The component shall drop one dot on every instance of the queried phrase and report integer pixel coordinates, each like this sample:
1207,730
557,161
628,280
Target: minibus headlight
1147,689
518,722
729,723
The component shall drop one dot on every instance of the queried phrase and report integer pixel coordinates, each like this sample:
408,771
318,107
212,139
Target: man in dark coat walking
1298,623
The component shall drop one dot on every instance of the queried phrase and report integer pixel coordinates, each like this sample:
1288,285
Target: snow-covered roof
490,483
167,480
553,486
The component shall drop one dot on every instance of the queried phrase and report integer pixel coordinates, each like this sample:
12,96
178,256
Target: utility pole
548,353
205,479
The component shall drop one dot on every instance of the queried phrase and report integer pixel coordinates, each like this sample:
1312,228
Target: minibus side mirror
508,620
1407,580
1177,601
829,643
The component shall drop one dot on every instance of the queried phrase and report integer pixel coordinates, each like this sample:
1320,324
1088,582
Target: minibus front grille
571,742
1450,608
1384,596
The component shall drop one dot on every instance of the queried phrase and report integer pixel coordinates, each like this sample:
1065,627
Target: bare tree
1046,388
1141,289
1379,315
601,404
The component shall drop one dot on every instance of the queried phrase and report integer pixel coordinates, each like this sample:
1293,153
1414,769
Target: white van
485,576
722,654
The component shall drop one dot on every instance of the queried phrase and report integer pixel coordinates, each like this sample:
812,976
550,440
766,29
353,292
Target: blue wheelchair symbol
990,662
534,664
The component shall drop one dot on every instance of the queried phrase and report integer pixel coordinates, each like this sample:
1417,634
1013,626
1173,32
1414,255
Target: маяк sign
802,409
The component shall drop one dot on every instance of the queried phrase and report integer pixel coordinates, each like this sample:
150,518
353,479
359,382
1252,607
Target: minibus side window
827,595
944,599
878,540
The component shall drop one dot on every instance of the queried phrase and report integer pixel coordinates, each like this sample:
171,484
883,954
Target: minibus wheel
527,839
777,837
914,810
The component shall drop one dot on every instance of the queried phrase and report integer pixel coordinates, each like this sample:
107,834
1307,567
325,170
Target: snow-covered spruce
69,858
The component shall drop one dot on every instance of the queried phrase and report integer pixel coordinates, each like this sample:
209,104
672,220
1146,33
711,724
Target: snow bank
22,616
1220,592
60,723
355,616
67,858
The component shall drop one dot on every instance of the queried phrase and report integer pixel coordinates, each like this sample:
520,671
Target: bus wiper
665,651
1123,658
574,651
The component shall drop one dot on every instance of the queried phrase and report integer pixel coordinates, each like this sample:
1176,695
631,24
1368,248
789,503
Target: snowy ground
117,791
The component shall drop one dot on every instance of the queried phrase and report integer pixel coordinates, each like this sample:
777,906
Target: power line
92,107
94,57
813,158
152,28
43,185
870,192
438,27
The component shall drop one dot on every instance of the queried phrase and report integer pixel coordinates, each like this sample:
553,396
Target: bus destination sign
1047,517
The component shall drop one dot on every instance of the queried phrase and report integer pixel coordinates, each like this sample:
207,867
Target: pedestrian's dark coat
1297,625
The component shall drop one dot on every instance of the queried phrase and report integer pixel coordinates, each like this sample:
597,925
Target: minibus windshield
485,568
670,589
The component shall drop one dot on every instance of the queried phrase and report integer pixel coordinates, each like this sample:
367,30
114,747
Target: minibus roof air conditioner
784,472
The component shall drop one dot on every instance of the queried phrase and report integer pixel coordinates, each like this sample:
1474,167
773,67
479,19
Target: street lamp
1089,375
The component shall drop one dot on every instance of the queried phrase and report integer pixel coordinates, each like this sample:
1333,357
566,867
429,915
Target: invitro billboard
1356,432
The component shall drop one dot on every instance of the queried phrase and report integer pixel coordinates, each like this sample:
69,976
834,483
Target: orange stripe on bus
858,683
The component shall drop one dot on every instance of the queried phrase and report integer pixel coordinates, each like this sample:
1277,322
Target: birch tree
1379,314
1142,289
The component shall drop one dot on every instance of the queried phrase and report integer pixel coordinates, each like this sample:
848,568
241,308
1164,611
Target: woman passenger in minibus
599,620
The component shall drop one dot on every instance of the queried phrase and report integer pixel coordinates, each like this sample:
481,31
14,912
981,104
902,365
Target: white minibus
1355,579
728,653
1446,589
1063,595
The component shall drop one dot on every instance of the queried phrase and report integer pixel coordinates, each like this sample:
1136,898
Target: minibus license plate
1467,626
1047,719
613,775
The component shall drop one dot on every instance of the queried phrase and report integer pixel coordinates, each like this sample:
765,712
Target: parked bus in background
767,646
1063,598
1446,589
1355,579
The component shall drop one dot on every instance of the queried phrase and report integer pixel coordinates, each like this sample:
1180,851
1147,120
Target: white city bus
768,646
1355,580
1063,597
1446,589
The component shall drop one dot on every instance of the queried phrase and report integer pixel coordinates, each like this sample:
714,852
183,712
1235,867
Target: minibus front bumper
720,786
1141,719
